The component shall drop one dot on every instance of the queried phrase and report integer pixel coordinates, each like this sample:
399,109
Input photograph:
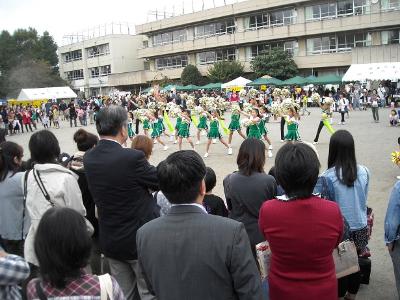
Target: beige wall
376,54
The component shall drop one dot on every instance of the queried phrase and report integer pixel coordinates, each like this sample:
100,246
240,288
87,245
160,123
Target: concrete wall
376,54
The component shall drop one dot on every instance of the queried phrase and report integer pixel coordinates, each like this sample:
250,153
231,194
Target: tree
276,63
31,74
224,71
23,46
191,75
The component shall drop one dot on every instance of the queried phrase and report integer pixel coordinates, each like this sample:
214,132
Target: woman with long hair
14,220
350,181
248,188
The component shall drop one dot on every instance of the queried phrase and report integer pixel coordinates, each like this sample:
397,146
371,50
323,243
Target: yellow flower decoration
396,157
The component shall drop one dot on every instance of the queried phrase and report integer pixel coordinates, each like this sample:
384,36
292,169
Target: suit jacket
119,180
189,254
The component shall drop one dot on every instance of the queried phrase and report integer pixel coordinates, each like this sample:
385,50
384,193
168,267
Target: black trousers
350,283
342,114
137,126
283,128
320,126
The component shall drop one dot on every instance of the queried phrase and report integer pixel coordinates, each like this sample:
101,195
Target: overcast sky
68,16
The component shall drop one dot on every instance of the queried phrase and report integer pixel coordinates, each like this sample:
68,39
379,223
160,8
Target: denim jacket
392,219
352,200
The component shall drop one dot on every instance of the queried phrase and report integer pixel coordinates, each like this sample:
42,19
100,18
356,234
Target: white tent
63,92
238,82
373,71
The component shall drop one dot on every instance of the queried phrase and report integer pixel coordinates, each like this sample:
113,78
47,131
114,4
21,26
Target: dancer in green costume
184,129
235,124
214,133
202,125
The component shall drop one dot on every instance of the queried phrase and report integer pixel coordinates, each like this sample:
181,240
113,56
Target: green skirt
254,132
146,124
155,133
234,125
292,135
130,130
214,133
184,131
202,124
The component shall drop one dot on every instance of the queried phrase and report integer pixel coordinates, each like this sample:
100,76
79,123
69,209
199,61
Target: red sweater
302,235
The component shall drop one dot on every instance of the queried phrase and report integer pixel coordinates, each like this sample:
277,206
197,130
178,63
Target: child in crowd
212,203
45,120
393,118
131,134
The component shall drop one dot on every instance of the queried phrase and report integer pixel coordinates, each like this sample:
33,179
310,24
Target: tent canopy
326,79
212,86
373,71
238,82
190,87
297,80
64,92
265,81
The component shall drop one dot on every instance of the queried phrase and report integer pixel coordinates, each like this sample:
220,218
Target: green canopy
265,81
211,86
327,79
297,80
190,87
145,91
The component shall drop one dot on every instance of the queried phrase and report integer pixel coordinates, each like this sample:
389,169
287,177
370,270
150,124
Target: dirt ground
374,143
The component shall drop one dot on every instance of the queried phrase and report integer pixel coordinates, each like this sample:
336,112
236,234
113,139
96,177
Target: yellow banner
34,103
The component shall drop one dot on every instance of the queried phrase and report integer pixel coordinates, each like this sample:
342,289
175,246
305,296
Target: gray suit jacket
189,254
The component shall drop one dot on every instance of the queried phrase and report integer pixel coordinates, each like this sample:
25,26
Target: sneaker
315,143
165,148
270,147
230,151
206,155
270,153
176,142
214,141
198,143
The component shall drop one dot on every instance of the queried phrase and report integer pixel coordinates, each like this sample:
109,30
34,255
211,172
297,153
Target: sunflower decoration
253,93
190,104
396,157
276,92
152,106
315,97
161,105
246,122
247,107
285,93
242,93
286,105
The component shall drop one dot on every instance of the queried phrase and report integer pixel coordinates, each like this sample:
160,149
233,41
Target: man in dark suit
189,254
119,180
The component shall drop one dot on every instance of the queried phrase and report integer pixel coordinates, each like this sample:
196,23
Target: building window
172,62
342,8
72,55
321,11
74,75
99,50
342,42
100,71
218,28
268,19
289,46
390,4
170,37
390,37
210,57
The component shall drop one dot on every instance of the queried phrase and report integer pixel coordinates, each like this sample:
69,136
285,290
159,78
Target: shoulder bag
106,287
346,259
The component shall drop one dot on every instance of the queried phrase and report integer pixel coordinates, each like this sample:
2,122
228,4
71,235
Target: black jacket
119,180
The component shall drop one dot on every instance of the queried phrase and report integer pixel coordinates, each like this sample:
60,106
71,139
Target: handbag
263,252
106,287
346,259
